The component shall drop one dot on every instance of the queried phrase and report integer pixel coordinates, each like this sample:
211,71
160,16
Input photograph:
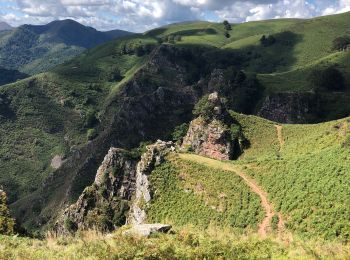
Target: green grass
191,193
184,243
307,179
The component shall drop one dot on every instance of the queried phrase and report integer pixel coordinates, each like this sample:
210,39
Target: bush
70,225
91,133
90,118
180,132
227,26
329,79
204,108
267,41
341,43
7,224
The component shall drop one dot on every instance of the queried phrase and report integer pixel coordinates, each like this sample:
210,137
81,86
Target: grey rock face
150,159
119,181
103,204
214,138
289,108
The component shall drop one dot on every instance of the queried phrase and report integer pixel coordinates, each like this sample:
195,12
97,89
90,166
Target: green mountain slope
32,49
303,169
139,88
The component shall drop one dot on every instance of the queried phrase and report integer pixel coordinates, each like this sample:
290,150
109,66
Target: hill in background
5,26
36,48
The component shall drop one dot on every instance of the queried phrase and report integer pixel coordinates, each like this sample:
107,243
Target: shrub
90,118
329,79
267,41
7,223
70,225
180,132
227,25
91,133
204,108
341,43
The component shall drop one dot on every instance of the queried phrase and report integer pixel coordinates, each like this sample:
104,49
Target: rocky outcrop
212,140
103,205
120,181
150,159
291,108
218,137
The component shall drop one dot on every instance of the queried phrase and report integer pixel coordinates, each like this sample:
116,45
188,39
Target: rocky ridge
120,181
218,136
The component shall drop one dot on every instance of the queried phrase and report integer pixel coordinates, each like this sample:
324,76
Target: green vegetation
190,193
341,43
306,177
33,49
328,79
59,112
185,243
7,224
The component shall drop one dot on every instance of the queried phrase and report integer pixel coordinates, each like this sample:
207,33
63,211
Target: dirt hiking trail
265,225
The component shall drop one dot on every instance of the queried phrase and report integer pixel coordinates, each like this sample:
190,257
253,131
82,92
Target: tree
178,38
341,43
328,79
227,35
227,25
267,41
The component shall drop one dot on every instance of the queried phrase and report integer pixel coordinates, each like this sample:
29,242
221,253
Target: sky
142,15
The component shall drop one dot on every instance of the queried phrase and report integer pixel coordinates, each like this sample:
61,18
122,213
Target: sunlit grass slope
306,176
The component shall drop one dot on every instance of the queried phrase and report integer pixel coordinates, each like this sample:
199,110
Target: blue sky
141,15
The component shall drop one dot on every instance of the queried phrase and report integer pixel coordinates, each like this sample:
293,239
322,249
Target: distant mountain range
33,49
5,26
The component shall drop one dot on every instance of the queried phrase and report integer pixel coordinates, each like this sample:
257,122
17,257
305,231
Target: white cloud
139,15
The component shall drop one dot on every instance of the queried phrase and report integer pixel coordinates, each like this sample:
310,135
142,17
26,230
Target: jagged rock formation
141,111
103,205
120,178
7,223
149,160
217,137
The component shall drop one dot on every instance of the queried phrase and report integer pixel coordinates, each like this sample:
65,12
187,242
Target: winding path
265,225
280,135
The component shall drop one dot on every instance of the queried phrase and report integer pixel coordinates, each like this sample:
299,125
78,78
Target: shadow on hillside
276,56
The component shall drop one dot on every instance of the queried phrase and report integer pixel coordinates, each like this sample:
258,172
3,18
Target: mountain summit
5,26
33,49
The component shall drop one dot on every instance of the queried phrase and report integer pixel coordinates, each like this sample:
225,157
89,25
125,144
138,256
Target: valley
236,135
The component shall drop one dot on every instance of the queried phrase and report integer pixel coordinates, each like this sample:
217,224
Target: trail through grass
265,225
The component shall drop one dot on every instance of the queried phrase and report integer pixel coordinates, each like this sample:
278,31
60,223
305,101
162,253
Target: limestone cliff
214,133
103,204
120,181
149,160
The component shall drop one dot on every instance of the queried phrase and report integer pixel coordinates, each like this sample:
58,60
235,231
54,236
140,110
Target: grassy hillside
81,104
305,173
191,193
